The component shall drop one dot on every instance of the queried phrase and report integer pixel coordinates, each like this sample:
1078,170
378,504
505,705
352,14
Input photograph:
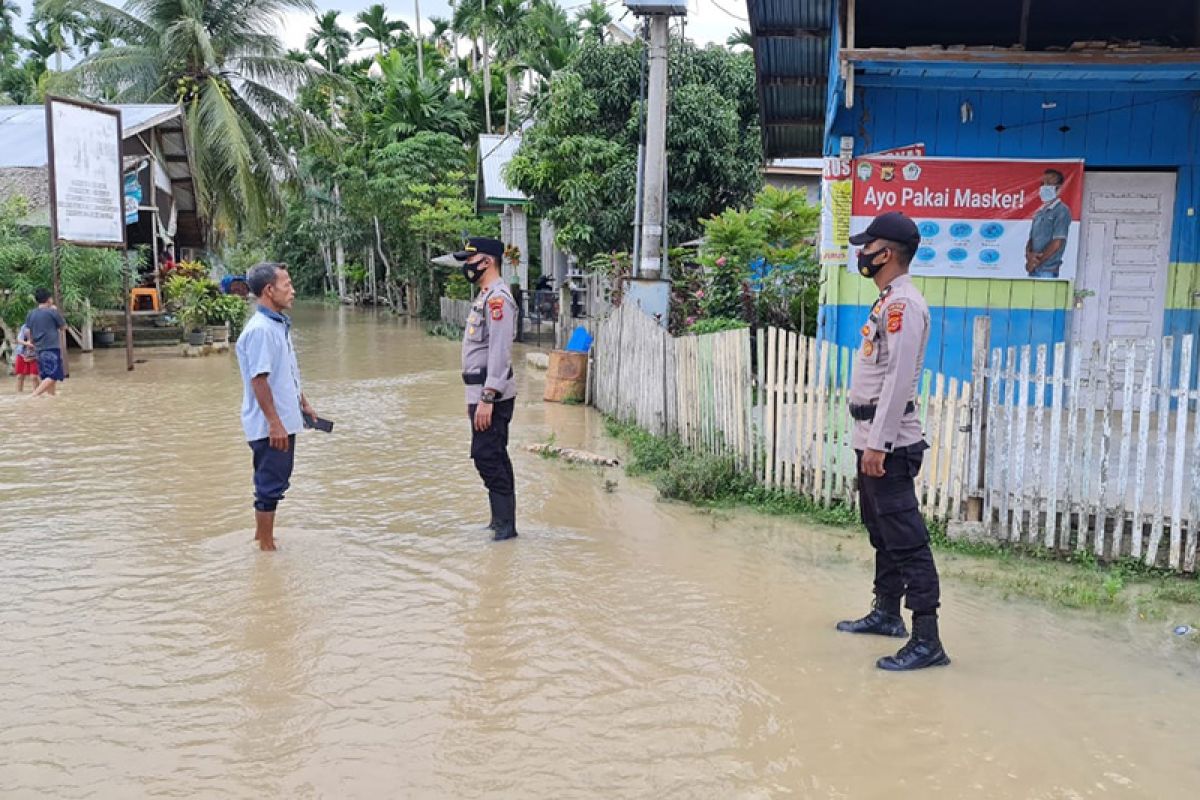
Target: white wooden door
1124,255
1125,248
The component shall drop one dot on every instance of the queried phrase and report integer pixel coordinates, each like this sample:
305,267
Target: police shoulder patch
496,306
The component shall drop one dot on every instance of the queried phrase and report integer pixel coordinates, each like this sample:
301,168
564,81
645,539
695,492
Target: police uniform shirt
487,342
888,367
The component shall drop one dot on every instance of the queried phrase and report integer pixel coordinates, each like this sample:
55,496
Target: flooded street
620,648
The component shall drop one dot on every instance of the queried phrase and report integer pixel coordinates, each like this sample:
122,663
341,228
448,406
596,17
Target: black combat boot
884,620
493,502
923,650
504,511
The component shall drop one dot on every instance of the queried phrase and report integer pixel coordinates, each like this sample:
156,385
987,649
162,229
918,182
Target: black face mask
866,263
473,272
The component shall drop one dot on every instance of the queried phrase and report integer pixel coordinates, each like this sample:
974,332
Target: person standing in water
890,445
273,403
487,372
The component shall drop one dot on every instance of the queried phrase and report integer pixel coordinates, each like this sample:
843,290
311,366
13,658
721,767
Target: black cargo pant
903,561
489,449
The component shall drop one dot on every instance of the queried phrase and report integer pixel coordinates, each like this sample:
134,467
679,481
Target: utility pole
654,184
651,288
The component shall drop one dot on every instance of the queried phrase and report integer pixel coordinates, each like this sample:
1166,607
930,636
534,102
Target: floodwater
620,648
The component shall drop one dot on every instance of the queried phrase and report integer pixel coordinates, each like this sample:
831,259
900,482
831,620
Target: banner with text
978,218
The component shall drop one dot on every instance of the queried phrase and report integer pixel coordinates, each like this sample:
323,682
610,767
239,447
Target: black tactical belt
480,378
867,413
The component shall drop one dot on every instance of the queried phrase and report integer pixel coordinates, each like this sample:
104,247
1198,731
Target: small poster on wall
979,218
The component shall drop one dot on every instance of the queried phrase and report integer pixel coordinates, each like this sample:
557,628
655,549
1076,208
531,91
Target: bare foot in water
267,544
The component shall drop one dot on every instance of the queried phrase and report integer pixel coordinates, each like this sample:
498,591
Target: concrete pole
654,183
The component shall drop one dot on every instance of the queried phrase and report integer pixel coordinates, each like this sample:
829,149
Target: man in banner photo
1051,227
979,218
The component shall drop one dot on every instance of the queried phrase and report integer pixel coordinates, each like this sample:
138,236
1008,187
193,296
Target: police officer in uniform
890,446
488,375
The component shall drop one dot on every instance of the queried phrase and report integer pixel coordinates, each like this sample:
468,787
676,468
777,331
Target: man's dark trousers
903,561
489,449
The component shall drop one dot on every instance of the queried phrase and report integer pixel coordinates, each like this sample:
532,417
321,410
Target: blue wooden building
1112,82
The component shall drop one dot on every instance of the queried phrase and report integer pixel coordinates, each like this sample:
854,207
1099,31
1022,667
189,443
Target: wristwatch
488,396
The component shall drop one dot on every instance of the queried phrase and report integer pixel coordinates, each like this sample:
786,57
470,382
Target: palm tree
408,104
100,33
472,20
439,37
375,25
556,39
515,37
329,42
9,10
38,46
219,60
597,18
740,36
58,20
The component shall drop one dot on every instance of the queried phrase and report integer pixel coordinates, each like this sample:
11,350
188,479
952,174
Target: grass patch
445,330
1075,580
711,480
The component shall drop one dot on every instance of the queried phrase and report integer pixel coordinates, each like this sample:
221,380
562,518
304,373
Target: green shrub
715,325
445,330
702,478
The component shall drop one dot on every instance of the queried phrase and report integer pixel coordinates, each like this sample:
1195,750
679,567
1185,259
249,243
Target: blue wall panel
951,327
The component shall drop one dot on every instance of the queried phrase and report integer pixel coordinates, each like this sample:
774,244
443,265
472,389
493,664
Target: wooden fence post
977,451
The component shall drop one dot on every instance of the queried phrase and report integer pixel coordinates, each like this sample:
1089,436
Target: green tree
596,17
58,21
374,25
91,278
329,42
768,248
578,161
9,10
222,62
740,38
404,104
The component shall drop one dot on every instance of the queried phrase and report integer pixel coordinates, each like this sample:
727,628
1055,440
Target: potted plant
226,315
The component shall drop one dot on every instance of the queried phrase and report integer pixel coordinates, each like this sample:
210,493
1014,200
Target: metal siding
791,13
792,57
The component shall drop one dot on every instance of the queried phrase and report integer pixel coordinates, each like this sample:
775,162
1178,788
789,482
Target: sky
707,21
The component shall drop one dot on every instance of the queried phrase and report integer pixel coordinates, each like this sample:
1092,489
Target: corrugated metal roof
792,13
495,151
792,40
23,130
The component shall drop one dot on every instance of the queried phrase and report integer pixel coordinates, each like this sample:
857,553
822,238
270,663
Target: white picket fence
782,414
1089,448
1065,448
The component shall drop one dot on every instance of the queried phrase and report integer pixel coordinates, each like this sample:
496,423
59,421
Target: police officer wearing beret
890,445
488,375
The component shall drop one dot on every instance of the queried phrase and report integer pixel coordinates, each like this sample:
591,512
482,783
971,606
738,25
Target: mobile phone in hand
318,423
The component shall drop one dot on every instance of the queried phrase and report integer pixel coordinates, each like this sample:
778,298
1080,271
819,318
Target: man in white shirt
273,404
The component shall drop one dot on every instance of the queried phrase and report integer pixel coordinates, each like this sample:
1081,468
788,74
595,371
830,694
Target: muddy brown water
622,647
